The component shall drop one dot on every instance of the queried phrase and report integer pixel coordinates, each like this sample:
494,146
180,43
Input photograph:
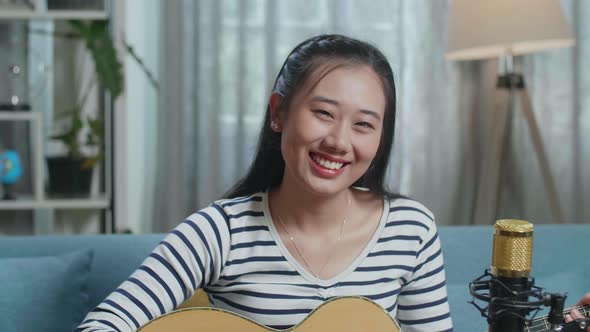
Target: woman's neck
311,214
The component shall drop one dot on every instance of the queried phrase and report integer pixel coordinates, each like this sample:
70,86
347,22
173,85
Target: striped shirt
232,250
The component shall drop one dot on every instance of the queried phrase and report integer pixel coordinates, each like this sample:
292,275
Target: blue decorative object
10,171
10,167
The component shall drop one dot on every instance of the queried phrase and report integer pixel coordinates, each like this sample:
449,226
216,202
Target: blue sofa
559,261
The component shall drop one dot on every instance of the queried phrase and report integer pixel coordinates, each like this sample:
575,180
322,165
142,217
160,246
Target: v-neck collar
300,269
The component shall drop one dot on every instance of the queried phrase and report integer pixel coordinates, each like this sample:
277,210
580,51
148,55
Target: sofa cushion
115,256
44,293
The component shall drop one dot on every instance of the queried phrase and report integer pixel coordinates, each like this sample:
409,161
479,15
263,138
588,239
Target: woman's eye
366,125
324,113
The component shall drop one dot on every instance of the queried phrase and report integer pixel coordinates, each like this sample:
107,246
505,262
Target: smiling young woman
311,220
330,135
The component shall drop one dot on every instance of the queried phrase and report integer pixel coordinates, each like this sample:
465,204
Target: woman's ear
276,115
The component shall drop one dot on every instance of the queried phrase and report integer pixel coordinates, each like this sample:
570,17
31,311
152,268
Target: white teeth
326,163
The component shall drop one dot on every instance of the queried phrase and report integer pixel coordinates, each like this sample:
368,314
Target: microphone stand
516,303
522,303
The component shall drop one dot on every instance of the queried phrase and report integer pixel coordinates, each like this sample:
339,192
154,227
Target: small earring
274,126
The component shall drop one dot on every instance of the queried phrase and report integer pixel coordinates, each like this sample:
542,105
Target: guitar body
344,314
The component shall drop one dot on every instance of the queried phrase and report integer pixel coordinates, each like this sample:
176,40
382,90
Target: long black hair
267,169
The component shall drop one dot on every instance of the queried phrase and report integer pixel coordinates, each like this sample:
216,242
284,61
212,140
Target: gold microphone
511,266
513,248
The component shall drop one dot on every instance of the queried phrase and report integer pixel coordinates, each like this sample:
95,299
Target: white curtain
221,57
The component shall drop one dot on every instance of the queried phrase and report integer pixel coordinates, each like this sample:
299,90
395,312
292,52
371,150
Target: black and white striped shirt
232,250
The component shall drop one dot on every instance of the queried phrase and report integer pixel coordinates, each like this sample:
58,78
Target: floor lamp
504,29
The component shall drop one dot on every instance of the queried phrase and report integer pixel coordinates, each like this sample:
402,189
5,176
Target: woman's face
332,130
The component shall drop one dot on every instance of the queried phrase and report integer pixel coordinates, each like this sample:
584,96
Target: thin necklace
317,275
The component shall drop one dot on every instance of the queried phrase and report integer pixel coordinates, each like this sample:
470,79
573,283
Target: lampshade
480,29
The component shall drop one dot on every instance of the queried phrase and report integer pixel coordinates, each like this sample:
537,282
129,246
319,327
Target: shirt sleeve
190,257
422,303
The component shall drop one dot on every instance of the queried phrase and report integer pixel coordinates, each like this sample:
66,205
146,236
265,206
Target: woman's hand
574,313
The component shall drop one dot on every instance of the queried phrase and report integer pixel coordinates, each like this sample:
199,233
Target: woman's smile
327,166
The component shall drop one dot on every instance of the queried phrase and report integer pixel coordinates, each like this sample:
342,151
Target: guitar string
567,311
542,323
543,320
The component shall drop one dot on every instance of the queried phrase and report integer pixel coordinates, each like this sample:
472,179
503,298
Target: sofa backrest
559,261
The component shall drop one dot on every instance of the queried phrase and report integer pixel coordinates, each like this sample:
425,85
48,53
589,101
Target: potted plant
71,175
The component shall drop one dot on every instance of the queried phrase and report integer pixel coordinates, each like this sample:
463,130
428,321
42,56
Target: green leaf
109,73
94,136
98,41
70,137
96,126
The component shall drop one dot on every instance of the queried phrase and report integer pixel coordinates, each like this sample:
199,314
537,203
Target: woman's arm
188,258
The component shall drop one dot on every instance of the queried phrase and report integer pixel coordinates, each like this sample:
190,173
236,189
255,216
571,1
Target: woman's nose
338,140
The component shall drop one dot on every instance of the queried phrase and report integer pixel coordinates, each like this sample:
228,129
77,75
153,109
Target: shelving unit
30,203
53,15
38,201
40,11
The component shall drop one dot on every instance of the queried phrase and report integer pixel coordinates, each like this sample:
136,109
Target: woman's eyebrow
324,100
374,114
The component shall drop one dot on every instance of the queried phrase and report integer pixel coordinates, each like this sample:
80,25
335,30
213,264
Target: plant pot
67,177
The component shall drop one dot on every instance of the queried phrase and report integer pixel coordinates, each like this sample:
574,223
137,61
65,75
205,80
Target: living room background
180,147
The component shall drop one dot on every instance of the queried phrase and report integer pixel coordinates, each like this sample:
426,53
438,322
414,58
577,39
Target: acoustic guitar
342,314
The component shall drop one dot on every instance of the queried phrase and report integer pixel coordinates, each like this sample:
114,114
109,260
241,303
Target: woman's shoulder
235,207
241,201
225,211
403,203
407,211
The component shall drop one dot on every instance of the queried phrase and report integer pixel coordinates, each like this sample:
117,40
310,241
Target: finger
576,314
568,318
